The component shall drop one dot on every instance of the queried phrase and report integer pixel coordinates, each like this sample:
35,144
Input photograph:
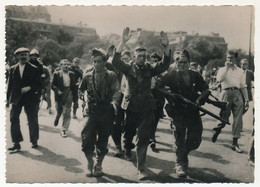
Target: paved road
61,160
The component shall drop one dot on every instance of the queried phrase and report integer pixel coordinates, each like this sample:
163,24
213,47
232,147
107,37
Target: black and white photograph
129,94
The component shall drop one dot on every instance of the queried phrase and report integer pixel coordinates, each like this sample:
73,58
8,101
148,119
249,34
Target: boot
98,167
89,157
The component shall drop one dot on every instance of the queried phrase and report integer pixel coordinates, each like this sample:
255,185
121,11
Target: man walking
187,123
78,77
138,100
23,87
232,82
100,85
63,85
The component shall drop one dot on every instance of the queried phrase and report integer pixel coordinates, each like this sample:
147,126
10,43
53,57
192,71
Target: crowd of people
122,97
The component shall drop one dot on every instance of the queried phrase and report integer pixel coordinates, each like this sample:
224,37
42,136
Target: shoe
16,146
34,145
180,171
56,122
153,145
63,134
97,171
119,153
74,116
142,175
236,148
89,172
128,154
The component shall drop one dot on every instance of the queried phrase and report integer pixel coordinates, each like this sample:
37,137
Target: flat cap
34,52
20,50
64,60
140,49
126,52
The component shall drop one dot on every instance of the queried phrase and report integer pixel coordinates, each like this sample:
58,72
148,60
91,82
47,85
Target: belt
231,88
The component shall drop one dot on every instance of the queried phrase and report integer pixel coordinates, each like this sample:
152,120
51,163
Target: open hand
164,39
126,35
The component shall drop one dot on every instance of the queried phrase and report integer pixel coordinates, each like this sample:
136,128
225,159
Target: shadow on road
209,175
57,131
107,178
52,158
210,156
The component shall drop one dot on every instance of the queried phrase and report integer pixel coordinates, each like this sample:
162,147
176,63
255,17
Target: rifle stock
187,101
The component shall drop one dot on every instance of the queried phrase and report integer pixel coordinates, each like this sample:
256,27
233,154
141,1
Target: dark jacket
137,94
249,78
31,77
176,83
57,84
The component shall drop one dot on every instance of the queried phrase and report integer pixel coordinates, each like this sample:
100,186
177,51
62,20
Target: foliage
202,50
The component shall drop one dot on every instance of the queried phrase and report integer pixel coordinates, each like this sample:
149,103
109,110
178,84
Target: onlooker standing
63,85
23,86
249,75
232,81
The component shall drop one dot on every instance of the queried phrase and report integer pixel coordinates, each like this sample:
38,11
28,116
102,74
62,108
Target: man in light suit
23,86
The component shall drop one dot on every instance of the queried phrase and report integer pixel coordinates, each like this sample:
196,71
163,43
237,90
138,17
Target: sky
231,22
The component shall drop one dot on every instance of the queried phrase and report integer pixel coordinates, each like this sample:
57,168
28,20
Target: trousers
97,131
187,132
31,110
235,105
138,123
64,107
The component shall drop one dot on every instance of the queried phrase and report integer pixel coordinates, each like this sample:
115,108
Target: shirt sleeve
120,65
161,66
220,75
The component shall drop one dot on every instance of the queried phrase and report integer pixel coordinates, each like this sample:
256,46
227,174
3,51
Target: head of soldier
244,64
22,54
231,57
155,58
75,61
140,55
34,54
98,59
183,62
64,65
176,55
126,56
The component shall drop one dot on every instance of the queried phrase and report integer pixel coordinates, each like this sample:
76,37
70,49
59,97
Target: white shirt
21,69
235,77
66,79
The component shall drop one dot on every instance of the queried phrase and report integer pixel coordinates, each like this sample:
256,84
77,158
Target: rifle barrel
185,100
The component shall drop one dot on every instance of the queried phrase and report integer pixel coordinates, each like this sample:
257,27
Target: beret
34,52
20,50
185,54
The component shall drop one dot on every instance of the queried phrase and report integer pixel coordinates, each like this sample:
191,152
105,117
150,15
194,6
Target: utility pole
250,36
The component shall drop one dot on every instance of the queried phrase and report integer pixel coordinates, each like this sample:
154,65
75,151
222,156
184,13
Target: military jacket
137,94
102,93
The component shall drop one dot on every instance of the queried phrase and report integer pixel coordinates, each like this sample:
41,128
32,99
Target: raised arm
117,62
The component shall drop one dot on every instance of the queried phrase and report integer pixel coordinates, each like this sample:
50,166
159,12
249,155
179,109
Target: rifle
187,101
